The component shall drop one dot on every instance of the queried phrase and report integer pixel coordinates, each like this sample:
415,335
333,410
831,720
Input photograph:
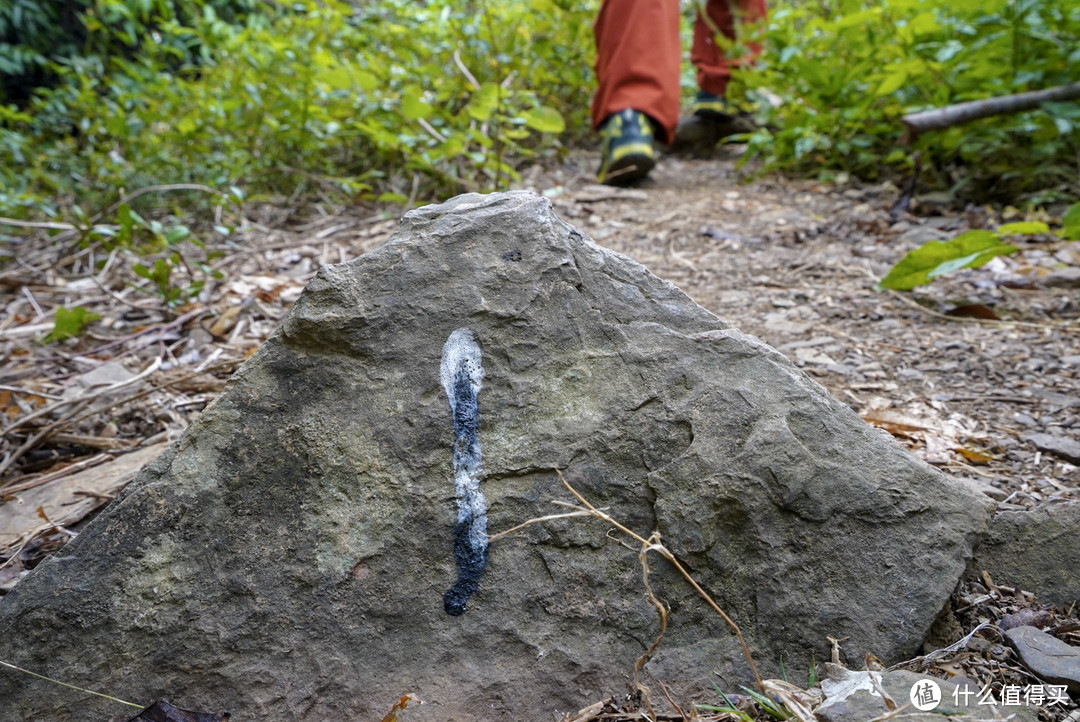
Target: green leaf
365,81
892,82
71,323
484,102
1023,228
177,234
544,119
413,107
936,258
1070,223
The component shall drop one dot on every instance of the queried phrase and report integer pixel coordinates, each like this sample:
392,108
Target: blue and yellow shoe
714,107
626,148
710,121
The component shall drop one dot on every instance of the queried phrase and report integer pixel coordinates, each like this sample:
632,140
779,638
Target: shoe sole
698,135
630,163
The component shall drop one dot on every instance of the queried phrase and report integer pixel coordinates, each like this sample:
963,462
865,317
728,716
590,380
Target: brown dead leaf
895,424
401,704
270,295
224,323
974,310
975,457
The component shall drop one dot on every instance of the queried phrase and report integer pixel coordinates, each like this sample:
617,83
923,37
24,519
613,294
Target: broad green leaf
186,124
544,119
413,107
338,77
70,323
484,102
892,82
936,258
1070,223
1023,228
177,234
365,81
923,24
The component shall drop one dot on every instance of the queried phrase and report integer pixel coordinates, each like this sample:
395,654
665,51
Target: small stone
1063,446
1022,418
1047,657
1068,277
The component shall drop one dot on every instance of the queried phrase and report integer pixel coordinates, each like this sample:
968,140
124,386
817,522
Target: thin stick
35,439
465,71
46,410
664,552
951,115
40,479
530,522
651,544
71,686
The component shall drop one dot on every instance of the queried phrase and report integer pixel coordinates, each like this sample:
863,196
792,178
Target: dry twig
652,544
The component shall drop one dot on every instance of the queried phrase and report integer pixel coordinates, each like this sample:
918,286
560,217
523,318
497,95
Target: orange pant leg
637,61
713,68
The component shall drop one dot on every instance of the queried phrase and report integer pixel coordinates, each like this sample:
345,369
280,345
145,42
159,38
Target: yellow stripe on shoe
626,150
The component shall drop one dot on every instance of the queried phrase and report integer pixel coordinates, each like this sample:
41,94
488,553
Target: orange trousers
638,56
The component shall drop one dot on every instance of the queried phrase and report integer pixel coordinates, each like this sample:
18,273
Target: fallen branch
959,113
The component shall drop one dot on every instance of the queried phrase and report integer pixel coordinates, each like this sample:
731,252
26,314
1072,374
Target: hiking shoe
626,148
711,121
713,107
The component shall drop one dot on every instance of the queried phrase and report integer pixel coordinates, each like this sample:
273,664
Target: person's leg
637,61
713,66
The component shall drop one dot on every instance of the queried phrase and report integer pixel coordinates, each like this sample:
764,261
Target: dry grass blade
643,557
530,522
799,702
652,544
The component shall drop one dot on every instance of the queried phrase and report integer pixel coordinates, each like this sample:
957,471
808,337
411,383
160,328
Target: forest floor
976,373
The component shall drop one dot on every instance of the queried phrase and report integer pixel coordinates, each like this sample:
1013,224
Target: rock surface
854,697
287,558
1063,446
1049,658
1036,550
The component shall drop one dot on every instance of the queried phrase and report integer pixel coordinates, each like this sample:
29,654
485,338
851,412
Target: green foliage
36,35
1070,223
968,250
936,258
838,75
727,708
770,707
319,97
71,323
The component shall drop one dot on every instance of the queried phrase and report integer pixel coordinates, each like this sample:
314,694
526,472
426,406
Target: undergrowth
839,75
393,100
319,97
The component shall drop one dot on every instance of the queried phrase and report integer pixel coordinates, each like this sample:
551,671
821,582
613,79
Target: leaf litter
964,372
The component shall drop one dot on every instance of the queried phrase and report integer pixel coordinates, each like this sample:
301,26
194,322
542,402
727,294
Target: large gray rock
1036,550
288,557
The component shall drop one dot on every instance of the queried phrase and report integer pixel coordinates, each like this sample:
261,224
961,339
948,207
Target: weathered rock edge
286,559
